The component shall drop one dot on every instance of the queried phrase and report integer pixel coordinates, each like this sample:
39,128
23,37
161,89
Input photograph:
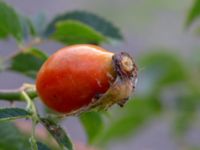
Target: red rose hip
76,76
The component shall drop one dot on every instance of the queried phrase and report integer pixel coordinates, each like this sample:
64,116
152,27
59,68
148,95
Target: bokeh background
164,112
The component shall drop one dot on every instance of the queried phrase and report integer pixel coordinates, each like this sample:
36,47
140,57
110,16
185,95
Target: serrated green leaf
12,113
42,146
194,13
73,32
99,24
58,133
92,121
10,23
28,62
10,134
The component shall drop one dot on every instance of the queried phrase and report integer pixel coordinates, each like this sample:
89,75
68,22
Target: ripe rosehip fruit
81,77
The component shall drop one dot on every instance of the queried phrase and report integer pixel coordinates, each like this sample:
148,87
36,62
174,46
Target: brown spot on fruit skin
70,80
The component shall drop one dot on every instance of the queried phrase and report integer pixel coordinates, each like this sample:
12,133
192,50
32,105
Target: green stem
32,138
35,117
16,95
30,106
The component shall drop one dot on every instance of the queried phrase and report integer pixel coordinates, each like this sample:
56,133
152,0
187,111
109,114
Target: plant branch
23,48
33,42
35,118
16,95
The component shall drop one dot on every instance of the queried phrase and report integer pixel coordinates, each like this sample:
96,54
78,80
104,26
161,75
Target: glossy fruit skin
72,76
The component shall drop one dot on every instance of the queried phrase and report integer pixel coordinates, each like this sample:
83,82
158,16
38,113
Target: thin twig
16,95
35,117
24,48
34,42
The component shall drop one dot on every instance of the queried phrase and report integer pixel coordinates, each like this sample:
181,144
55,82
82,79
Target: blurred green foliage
93,124
7,27
167,82
12,138
194,13
97,23
72,32
27,62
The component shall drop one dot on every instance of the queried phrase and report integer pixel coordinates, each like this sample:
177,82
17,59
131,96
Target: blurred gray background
146,25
